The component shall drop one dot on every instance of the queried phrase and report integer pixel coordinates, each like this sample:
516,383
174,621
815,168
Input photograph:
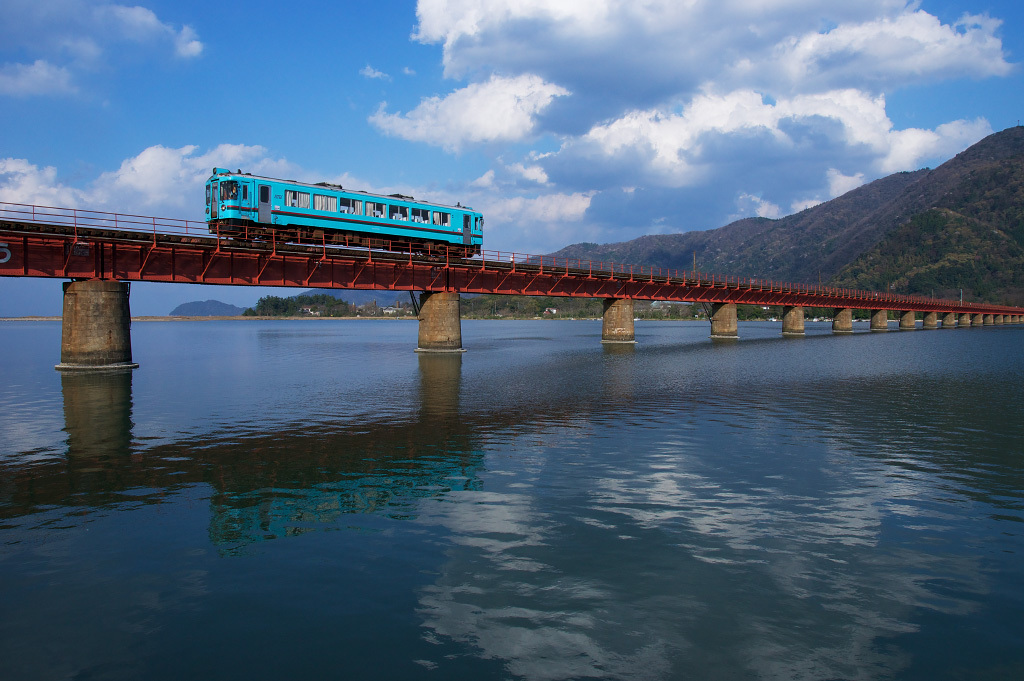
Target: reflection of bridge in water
101,250
276,483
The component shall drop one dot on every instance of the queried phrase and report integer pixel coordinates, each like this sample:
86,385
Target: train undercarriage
248,231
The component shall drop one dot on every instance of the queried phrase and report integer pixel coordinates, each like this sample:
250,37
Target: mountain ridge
863,235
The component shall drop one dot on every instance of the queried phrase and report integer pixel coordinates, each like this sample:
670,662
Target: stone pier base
965,321
96,327
998,319
931,320
989,319
880,320
908,321
949,320
792,321
842,320
440,322
724,323
978,320
617,323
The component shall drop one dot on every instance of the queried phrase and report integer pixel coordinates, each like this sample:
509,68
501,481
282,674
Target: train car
240,205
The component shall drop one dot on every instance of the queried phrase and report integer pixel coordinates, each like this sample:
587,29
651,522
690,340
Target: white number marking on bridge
5,253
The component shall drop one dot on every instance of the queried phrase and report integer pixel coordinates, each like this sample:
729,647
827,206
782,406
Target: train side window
420,215
375,209
442,219
264,194
466,221
207,195
479,224
245,192
398,213
352,206
324,202
294,199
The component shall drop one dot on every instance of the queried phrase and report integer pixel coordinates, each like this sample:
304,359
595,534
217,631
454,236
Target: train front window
229,191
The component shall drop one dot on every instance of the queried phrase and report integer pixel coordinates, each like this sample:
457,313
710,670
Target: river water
291,499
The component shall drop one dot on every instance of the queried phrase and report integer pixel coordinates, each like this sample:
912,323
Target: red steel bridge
41,241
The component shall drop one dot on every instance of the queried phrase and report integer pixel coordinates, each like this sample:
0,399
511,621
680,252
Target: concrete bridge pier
792,320
724,322
949,320
617,322
880,320
989,319
978,320
842,320
931,320
965,321
997,319
96,327
908,321
440,322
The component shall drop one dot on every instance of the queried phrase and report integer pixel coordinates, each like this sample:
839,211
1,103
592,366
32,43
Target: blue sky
579,120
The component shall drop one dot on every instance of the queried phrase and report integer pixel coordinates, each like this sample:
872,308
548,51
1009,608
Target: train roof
337,187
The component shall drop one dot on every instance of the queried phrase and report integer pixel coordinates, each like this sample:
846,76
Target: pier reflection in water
97,414
538,508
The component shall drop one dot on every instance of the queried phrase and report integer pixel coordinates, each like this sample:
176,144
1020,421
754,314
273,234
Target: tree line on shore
509,307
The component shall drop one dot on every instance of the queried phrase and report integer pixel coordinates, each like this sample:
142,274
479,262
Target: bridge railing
547,264
92,219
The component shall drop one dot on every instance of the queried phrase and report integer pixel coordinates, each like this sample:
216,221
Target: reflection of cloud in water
497,596
840,584
798,565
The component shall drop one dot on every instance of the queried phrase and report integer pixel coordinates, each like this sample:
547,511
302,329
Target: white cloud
909,148
803,204
898,49
484,181
741,43
501,109
839,184
550,208
66,39
370,72
141,25
533,173
187,44
673,149
24,182
762,208
38,78
667,94
158,181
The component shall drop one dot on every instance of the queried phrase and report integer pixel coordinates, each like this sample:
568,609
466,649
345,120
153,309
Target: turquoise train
240,205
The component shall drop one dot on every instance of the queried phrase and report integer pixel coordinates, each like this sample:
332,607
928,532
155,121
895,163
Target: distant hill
207,308
359,296
960,225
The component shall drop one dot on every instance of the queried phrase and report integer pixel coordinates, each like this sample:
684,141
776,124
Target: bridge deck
38,241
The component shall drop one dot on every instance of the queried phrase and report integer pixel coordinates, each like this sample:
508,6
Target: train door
467,230
263,204
214,200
